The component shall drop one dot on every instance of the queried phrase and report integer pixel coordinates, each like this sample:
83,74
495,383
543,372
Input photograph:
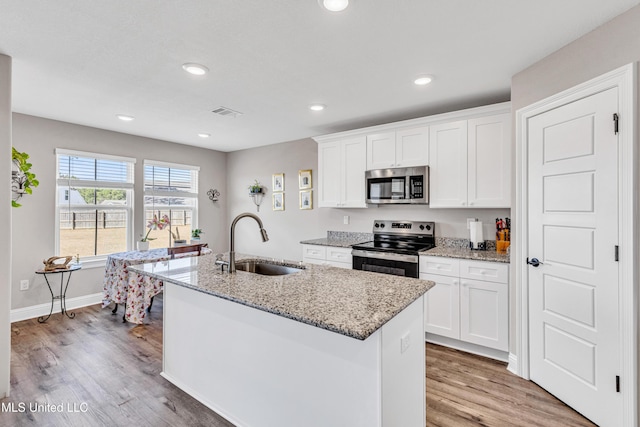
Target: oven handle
385,255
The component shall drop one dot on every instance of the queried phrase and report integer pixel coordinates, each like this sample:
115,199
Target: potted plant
255,188
154,224
22,179
177,240
195,234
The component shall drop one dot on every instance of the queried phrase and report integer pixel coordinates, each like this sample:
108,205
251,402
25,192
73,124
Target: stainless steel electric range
395,247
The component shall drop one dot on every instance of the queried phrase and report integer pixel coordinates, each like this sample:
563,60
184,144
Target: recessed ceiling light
423,80
317,107
195,69
334,5
204,135
124,117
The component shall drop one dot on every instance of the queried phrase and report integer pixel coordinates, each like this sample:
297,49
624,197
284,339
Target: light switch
405,342
345,219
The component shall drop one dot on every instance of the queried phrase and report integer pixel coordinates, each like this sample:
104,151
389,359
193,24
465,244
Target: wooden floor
96,363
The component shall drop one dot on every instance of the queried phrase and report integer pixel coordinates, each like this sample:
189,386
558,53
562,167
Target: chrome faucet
232,252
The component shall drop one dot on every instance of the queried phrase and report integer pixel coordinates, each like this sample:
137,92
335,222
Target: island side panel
403,368
258,369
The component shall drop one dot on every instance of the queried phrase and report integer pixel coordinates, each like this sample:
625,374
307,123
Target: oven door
385,262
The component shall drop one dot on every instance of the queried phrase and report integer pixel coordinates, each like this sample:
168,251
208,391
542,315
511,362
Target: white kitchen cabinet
470,301
327,255
403,148
470,164
341,167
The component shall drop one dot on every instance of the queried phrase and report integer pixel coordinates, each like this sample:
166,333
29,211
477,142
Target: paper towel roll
475,233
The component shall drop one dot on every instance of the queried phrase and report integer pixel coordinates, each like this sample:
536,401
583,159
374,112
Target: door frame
624,78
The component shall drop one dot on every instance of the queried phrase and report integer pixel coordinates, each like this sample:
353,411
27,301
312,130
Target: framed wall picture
277,182
306,199
304,179
278,201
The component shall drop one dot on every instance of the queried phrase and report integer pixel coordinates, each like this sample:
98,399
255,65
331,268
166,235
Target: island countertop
350,302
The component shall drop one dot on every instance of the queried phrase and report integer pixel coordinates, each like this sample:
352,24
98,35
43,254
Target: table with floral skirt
133,289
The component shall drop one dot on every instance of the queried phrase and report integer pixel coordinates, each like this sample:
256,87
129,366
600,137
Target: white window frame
195,176
97,260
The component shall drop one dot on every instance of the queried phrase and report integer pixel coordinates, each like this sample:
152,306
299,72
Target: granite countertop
466,253
340,239
350,302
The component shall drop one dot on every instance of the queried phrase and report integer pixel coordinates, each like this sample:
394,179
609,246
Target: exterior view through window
172,190
94,200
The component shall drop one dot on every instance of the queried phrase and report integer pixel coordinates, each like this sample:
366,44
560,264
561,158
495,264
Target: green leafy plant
196,232
23,180
255,187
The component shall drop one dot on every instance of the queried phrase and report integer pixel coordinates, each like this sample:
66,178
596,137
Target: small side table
63,290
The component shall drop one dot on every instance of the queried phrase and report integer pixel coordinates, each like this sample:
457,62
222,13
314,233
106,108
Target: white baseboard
513,364
25,313
468,347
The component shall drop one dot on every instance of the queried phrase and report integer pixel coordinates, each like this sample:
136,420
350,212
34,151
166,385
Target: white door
490,161
484,313
573,229
381,151
329,174
412,147
353,167
448,165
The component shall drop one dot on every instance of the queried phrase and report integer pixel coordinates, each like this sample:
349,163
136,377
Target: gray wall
287,228
33,223
5,223
608,47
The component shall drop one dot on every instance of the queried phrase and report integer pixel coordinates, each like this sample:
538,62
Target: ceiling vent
228,112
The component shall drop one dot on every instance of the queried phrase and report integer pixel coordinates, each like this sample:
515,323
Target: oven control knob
377,225
428,227
382,225
421,227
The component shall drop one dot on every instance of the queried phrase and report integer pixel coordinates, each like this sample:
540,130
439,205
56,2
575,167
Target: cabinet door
448,165
381,150
314,252
489,160
441,306
352,173
484,313
412,147
329,174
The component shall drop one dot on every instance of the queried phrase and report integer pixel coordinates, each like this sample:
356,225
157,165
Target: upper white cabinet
470,163
341,167
403,148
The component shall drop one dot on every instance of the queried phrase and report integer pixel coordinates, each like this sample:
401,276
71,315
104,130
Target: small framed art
304,179
278,201
306,199
277,182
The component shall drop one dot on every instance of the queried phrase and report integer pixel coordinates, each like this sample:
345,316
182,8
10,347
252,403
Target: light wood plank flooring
114,367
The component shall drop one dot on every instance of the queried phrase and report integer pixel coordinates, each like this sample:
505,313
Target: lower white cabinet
327,255
470,301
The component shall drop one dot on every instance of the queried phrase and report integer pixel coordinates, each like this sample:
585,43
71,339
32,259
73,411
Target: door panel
573,229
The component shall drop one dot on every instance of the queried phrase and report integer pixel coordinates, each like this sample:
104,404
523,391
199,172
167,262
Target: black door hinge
617,255
616,121
617,383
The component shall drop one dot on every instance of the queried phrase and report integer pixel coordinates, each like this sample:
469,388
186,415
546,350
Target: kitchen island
319,347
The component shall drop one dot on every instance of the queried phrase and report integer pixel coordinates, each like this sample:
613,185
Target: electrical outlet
345,219
405,342
24,285
469,221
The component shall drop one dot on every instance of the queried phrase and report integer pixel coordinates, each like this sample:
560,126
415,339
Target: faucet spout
232,251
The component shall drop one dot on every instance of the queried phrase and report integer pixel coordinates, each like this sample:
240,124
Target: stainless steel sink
265,268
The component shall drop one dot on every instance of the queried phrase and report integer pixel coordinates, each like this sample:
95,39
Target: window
172,190
94,204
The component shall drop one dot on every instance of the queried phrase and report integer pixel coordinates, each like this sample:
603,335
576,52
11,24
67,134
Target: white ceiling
85,61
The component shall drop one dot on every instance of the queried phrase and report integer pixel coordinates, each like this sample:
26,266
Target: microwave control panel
416,187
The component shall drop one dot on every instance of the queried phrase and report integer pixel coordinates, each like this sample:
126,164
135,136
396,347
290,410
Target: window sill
94,263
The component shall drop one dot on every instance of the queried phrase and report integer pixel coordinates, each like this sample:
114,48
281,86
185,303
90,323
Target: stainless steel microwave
398,185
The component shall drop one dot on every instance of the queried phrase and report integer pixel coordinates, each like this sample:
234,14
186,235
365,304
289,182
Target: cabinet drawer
314,251
338,264
339,254
439,265
487,271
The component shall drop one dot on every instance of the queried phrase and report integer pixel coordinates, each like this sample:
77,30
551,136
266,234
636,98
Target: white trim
170,165
467,347
513,364
487,110
33,311
177,194
100,156
624,78
86,183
